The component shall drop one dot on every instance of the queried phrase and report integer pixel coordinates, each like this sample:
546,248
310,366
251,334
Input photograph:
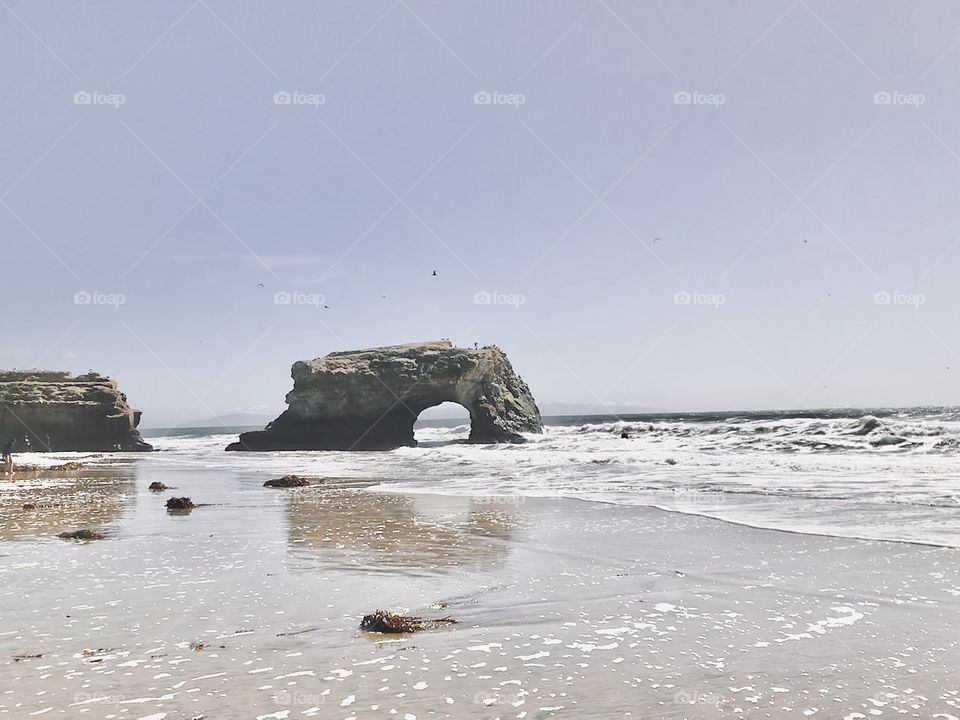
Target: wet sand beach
249,607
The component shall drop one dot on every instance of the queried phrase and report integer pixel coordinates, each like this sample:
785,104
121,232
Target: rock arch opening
447,422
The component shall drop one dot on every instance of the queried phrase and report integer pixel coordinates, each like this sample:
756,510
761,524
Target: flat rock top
357,360
53,377
426,346
42,387
439,359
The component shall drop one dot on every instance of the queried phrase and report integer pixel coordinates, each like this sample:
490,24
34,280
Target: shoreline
75,466
676,511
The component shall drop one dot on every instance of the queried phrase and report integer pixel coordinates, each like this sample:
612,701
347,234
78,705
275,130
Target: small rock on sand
287,481
180,503
81,535
157,487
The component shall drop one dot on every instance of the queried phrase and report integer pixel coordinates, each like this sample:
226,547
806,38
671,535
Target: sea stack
370,399
44,410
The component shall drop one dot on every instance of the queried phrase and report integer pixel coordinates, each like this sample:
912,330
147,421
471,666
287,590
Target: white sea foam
896,477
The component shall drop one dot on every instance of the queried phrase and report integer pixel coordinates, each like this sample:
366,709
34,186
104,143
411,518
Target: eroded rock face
54,410
370,399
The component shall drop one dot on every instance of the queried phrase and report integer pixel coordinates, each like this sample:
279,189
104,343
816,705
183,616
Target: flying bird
434,273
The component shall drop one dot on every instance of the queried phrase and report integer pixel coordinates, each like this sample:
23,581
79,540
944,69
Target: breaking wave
883,474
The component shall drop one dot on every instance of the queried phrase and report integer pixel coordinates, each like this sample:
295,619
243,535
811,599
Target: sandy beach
249,607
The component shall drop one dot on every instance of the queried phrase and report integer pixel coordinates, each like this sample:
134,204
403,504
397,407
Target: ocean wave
795,472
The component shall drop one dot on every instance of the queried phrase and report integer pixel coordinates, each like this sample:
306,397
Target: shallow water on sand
248,607
892,477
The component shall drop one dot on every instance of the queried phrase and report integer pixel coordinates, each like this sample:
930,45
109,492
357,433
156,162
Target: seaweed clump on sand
382,621
287,481
81,535
180,503
21,658
157,487
48,470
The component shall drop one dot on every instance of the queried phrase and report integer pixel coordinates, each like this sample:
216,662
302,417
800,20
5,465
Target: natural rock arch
370,399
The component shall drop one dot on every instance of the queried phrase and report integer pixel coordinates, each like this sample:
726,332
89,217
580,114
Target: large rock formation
370,399
54,410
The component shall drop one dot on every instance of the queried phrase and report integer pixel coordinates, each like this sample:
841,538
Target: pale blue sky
794,201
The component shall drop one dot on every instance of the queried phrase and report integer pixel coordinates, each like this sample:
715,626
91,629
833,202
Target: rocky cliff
370,399
52,410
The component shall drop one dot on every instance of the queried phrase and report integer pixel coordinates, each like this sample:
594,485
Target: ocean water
249,606
874,474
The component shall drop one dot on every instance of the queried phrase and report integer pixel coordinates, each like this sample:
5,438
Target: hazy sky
780,162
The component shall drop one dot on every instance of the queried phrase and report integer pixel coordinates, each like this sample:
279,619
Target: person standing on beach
8,458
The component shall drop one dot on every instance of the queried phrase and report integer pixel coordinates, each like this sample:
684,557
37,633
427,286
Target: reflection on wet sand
353,528
46,506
